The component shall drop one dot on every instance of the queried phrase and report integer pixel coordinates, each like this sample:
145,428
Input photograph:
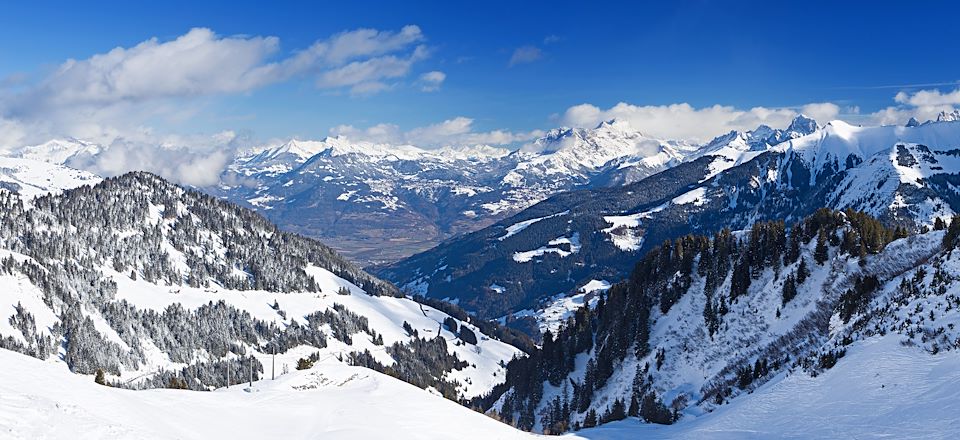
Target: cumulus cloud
196,63
928,98
191,160
201,62
525,54
823,111
683,121
431,81
921,104
12,134
364,77
456,131
114,98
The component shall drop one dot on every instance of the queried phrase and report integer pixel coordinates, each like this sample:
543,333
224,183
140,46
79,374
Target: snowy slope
59,151
857,349
42,400
881,389
386,316
149,279
32,178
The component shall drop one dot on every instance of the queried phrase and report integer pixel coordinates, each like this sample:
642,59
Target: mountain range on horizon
484,220
131,273
365,199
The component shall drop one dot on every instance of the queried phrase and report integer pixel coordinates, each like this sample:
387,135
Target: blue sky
508,69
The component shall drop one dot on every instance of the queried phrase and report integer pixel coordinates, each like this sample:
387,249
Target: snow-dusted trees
619,326
142,227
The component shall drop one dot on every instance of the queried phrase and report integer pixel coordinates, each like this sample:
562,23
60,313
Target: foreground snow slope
880,389
43,400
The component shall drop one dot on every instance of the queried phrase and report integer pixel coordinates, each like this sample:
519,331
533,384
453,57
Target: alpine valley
378,203
479,220
665,289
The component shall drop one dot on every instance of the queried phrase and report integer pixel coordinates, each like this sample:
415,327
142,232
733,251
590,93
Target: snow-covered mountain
158,286
378,202
59,151
702,323
863,344
575,156
31,178
906,176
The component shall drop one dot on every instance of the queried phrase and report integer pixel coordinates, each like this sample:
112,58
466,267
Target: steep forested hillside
703,320
151,285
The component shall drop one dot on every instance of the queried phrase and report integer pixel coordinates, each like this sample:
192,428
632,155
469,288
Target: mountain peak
617,124
945,116
913,122
58,151
803,125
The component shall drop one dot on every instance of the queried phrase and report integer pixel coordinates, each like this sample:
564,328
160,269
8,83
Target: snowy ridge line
149,276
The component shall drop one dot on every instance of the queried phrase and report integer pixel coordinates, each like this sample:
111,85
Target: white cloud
114,98
456,131
196,63
822,112
12,134
922,104
201,62
381,133
683,121
431,81
367,42
525,54
126,87
928,98
368,75
191,160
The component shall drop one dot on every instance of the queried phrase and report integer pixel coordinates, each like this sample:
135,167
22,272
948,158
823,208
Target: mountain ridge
903,175
364,198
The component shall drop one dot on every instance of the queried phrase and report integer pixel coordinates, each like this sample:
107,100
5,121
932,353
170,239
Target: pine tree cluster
619,325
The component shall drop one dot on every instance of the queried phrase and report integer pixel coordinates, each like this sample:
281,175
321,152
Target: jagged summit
803,125
759,139
946,116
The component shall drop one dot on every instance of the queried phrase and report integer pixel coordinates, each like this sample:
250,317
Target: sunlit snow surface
879,390
31,178
385,315
43,400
